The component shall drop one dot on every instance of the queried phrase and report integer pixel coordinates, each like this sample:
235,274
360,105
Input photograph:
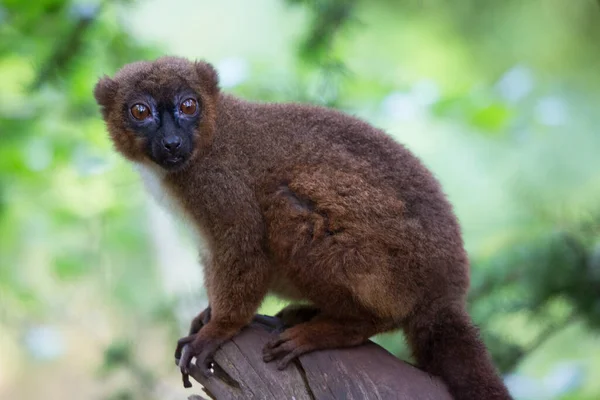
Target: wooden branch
360,373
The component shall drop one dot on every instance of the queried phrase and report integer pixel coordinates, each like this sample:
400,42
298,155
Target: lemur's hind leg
320,332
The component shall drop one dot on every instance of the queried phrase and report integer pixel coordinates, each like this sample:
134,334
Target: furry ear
209,78
104,92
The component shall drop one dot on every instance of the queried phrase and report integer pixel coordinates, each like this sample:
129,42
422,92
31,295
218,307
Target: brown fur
314,205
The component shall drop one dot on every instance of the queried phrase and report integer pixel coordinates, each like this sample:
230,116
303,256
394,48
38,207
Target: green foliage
328,18
118,354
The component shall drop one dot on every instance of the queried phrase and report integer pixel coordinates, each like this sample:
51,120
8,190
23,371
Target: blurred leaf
124,394
71,266
494,117
118,354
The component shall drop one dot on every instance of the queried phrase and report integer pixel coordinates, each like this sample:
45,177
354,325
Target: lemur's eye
140,111
188,106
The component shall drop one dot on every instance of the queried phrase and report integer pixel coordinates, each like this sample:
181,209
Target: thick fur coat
310,204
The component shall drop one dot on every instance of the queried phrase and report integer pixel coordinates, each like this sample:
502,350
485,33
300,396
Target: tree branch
363,372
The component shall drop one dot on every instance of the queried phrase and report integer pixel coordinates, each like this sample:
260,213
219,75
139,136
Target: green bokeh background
499,99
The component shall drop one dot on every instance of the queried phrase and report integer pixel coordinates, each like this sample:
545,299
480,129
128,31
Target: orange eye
140,111
188,106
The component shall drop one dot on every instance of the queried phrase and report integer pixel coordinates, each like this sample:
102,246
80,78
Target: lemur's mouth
174,160
174,163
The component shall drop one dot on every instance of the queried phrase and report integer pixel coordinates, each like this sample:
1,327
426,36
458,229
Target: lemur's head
161,111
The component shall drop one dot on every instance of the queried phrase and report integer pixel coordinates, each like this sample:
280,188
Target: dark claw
185,377
183,350
289,357
181,343
206,367
183,356
205,358
276,348
186,359
202,349
186,381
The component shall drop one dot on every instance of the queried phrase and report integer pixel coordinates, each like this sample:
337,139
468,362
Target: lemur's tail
445,343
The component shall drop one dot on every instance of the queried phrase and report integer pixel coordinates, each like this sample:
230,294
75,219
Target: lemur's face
166,123
156,111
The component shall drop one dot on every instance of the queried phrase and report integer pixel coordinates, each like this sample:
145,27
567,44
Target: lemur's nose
171,142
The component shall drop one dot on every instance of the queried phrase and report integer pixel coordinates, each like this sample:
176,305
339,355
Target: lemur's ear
104,92
208,76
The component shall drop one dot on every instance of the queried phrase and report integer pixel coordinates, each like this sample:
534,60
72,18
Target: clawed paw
284,348
201,349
